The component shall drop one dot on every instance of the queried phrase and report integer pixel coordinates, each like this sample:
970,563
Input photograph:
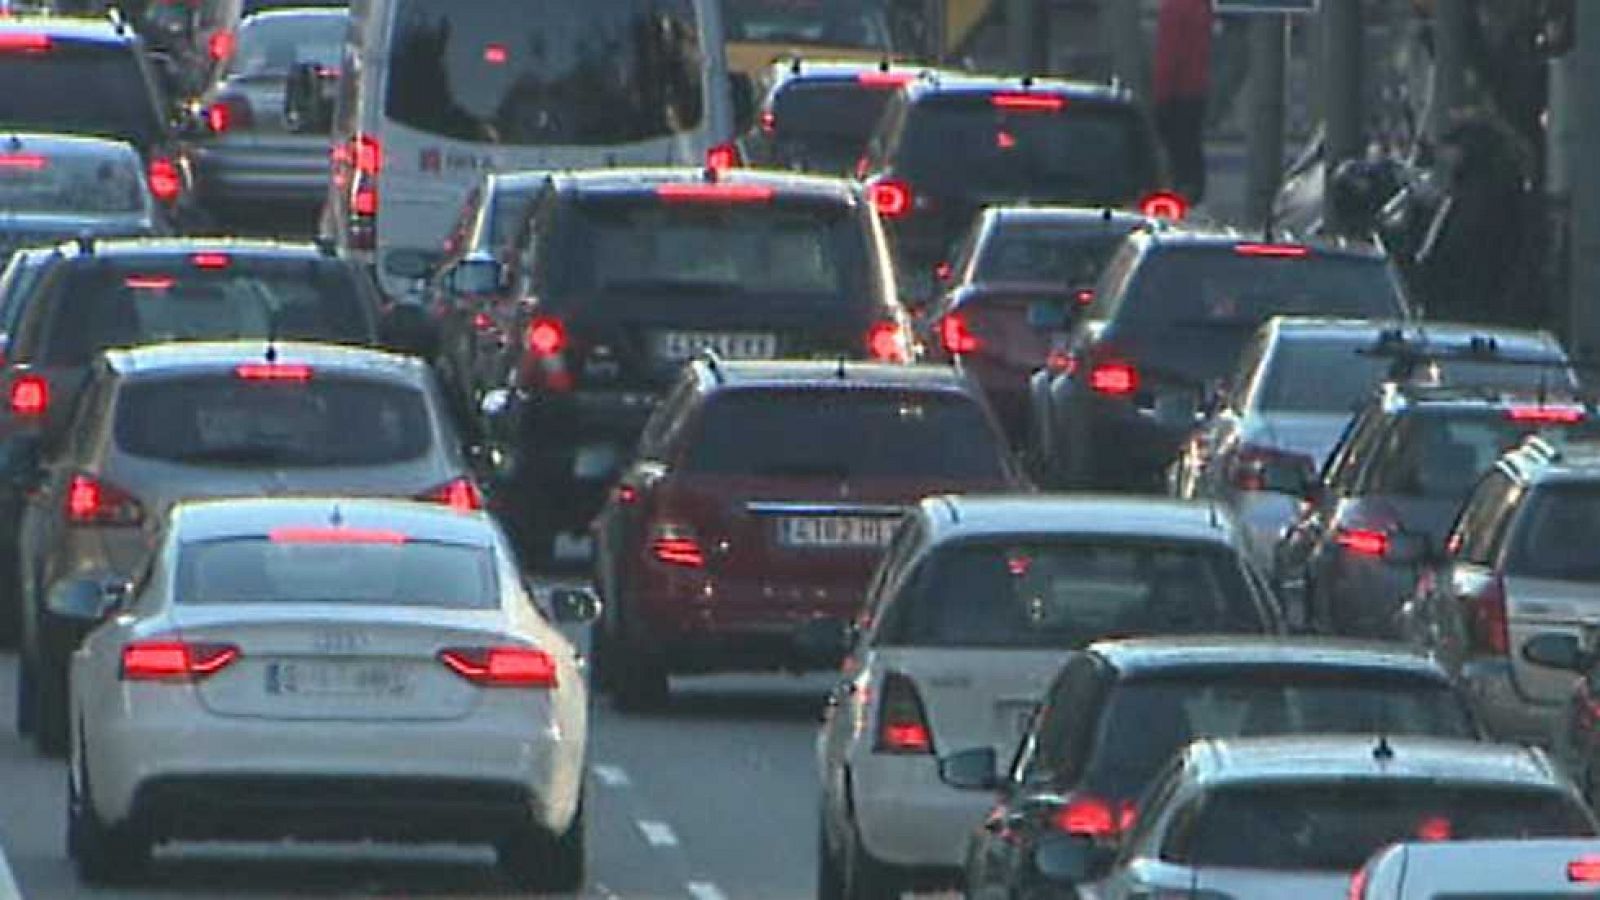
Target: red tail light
1435,828
1275,251
1115,379
502,666
715,193
1089,816
1358,886
460,494
1029,102
16,42
320,534
902,721
91,501
955,334
1487,617
1363,541
165,182
366,152
886,342
546,336
289,372
1584,869
1169,205
1547,415
228,113
676,545
496,54
24,162
168,660
149,282
221,45
724,156
884,80
30,396
891,197
365,201
211,262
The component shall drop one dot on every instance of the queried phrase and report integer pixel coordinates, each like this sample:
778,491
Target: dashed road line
611,776
8,883
658,834
705,890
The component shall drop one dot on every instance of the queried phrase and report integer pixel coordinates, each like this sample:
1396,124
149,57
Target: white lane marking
705,890
659,834
606,893
8,884
610,776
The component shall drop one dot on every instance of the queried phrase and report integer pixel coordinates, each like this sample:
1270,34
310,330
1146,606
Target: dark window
75,183
80,87
270,47
509,208
1072,257
226,420
1558,534
413,573
554,72
255,6
1441,456
1147,720
1319,376
1336,826
824,125
1087,152
16,287
95,306
1067,592
860,24
676,252
844,434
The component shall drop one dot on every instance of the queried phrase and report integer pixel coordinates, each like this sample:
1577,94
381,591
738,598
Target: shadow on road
760,698
242,871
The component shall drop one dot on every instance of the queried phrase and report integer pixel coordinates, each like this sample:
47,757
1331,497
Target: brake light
769,121
1083,296
366,152
221,45
1584,869
956,334
1169,205
1028,102
23,162
460,494
723,156
902,721
168,660
625,494
165,182
1115,379
496,54
211,261
91,501
16,42
1363,541
228,113
1358,885
297,534
546,336
1546,415
365,201
1490,633
1276,251
1435,828
1094,817
272,372
714,193
891,197
219,118
884,79
502,666
149,282
676,545
886,342
30,396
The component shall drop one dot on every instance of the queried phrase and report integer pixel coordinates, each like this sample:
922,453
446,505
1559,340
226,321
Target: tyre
867,878
49,711
538,861
830,874
102,854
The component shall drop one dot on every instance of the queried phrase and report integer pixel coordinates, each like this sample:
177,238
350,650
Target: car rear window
823,126
1146,720
853,433
653,252
1066,592
71,183
228,420
508,209
409,573
272,46
1557,534
569,72
94,305
859,24
1086,152
1335,826
1336,376
1441,454
1070,256
80,87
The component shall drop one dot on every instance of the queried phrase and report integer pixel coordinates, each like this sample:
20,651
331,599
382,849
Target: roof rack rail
951,507
713,361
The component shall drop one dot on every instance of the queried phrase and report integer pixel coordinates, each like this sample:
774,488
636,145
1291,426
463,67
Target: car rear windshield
1068,256
1336,376
1558,534
569,72
270,47
653,252
824,125
1336,825
409,573
66,184
508,208
80,87
1440,454
1086,152
95,305
226,420
860,24
1147,720
817,433
1067,592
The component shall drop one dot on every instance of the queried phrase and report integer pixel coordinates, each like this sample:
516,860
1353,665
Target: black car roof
1151,656
644,181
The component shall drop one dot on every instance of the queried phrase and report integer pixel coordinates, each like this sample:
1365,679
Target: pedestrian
1182,81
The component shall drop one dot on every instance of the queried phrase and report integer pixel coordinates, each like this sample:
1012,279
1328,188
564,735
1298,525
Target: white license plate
337,679
681,345
824,532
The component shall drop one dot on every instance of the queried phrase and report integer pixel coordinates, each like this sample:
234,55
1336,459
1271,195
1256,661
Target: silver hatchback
159,425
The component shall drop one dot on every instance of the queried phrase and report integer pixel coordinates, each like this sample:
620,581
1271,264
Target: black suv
949,145
626,274
817,116
1171,313
91,77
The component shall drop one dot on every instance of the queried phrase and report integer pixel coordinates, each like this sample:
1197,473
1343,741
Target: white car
328,669
1467,870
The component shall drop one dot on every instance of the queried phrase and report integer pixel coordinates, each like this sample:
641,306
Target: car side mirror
87,600
823,641
1066,859
1410,548
971,770
1556,651
574,605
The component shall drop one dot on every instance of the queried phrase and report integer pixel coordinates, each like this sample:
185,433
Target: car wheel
102,854
537,860
49,712
867,878
830,875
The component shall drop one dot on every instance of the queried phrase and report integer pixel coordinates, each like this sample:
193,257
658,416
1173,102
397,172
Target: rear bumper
230,176
1125,446
703,625
1360,597
907,817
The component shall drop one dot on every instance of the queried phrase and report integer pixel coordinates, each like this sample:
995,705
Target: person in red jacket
1182,81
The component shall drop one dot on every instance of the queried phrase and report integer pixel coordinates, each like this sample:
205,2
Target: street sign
1249,7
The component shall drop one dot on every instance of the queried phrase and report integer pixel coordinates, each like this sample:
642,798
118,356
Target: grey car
55,187
1468,870
162,424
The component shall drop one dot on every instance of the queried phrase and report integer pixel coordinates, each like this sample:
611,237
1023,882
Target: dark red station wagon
761,498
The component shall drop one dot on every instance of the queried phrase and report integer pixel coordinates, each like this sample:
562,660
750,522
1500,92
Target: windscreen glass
226,420
570,72
1442,455
409,573
270,47
1558,537
1070,257
79,87
862,24
66,184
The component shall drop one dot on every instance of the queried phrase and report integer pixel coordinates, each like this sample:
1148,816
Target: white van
434,93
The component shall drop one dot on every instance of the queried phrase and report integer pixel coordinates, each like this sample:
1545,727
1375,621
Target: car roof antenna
839,373
1383,752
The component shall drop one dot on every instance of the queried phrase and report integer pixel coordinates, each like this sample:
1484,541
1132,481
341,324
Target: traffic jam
696,448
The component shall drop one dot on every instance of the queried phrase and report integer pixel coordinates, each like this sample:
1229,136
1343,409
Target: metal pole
1581,113
1269,49
1449,62
1124,34
1341,88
